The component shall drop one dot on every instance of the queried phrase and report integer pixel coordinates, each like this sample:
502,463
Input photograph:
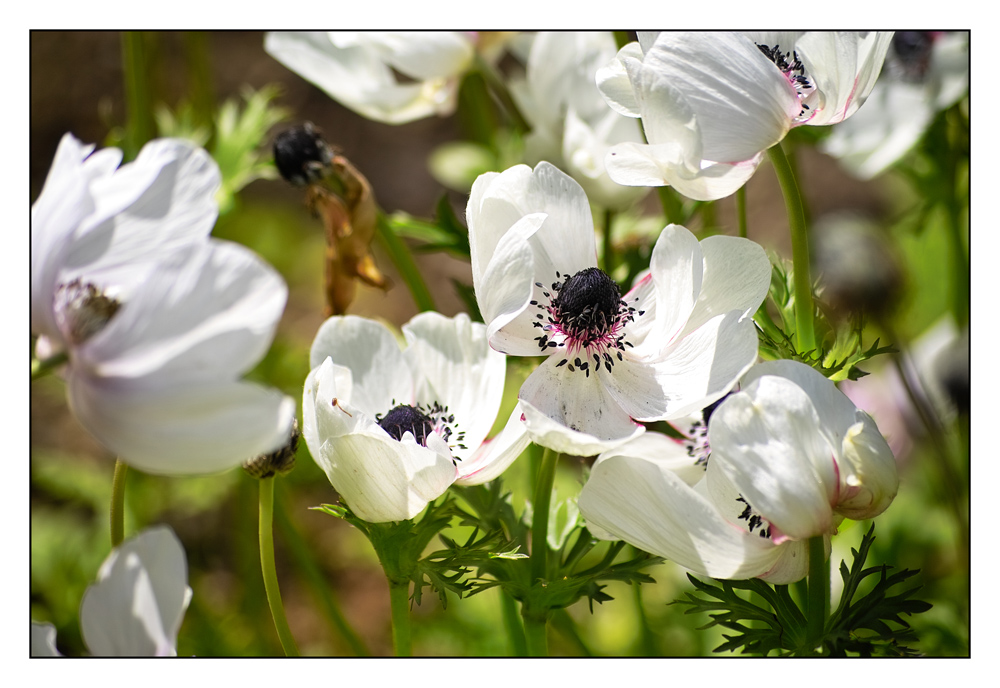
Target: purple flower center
421,423
587,316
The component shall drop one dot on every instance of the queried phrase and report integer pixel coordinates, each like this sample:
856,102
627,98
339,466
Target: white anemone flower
157,322
359,69
712,103
787,458
676,342
571,125
925,72
393,429
136,606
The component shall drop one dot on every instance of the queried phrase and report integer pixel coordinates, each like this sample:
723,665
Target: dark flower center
421,422
301,155
82,310
586,315
403,419
791,66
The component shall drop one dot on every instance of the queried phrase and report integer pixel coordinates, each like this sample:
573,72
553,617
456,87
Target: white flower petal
43,640
162,200
383,479
186,430
424,55
737,275
743,104
136,606
662,450
459,371
613,81
644,503
843,66
581,414
358,78
381,376
765,440
506,288
496,454
208,311
869,480
677,267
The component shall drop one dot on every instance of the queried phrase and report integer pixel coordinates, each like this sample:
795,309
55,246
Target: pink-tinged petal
765,440
186,430
458,370
381,376
571,412
644,503
496,454
742,102
383,479
843,66
868,477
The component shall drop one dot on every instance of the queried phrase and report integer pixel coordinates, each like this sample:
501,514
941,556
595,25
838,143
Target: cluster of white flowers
765,468
158,322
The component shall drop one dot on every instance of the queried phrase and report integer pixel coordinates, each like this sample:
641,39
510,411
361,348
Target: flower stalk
399,600
804,309
403,260
118,503
268,570
42,367
818,599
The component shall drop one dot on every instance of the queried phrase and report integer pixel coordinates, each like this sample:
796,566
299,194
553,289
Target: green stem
268,571
199,68
536,635
804,309
407,267
42,367
140,126
540,519
818,602
741,210
118,503
515,631
609,247
399,599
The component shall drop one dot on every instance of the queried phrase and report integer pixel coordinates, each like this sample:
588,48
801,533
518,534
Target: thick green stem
399,600
804,309
512,622
536,635
268,571
118,503
498,87
818,602
407,267
741,210
540,519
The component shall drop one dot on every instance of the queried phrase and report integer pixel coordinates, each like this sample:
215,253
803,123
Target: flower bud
278,462
301,155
